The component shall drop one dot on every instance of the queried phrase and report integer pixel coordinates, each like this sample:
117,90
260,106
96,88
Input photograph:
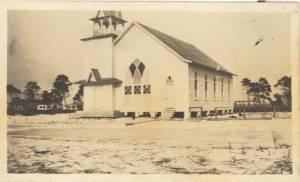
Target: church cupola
100,45
108,23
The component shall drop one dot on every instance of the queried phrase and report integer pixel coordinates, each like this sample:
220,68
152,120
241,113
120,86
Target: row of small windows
214,87
137,89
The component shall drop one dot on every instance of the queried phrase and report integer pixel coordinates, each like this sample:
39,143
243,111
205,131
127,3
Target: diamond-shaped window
132,69
141,68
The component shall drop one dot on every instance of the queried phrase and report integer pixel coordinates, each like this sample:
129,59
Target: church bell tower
107,26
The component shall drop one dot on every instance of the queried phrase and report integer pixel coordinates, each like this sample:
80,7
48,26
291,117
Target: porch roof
104,81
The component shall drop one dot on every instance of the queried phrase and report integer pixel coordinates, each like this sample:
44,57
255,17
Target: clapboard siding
210,102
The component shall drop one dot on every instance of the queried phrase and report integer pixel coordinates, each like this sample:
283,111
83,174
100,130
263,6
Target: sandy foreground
57,144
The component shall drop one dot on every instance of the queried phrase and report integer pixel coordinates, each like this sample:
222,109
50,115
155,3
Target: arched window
137,69
170,80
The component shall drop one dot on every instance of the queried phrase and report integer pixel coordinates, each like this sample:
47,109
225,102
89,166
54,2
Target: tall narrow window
222,88
196,85
215,87
205,86
229,90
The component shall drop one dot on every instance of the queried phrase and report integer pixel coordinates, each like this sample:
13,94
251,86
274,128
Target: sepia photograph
112,91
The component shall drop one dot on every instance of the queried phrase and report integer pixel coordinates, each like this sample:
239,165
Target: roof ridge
187,50
143,25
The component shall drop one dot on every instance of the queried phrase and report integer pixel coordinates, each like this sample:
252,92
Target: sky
43,44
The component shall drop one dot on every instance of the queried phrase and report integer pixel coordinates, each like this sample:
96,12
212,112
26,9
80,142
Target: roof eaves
104,81
94,37
97,19
208,67
79,82
188,61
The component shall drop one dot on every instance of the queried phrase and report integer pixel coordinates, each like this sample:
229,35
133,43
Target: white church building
143,72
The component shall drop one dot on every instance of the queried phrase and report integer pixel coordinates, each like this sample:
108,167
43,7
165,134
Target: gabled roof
96,74
186,50
100,81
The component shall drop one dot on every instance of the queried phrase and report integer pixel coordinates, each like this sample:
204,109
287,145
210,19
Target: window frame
222,89
169,80
135,91
206,87
196,95
149,89
215,87
229,89
128,86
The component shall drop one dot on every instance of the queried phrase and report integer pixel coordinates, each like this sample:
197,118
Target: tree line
56,95
261,91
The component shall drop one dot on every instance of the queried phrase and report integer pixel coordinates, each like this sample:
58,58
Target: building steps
168,113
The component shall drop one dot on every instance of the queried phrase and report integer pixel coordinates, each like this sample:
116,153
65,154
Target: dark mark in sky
258,42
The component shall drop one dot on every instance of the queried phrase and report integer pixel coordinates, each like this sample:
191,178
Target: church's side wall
210,102
160,63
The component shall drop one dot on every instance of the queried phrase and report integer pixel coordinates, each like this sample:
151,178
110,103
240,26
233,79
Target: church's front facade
146,72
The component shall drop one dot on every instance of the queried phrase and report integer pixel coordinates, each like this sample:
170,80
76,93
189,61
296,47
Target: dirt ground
57,144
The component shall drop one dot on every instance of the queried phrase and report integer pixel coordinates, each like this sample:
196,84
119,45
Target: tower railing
106,31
